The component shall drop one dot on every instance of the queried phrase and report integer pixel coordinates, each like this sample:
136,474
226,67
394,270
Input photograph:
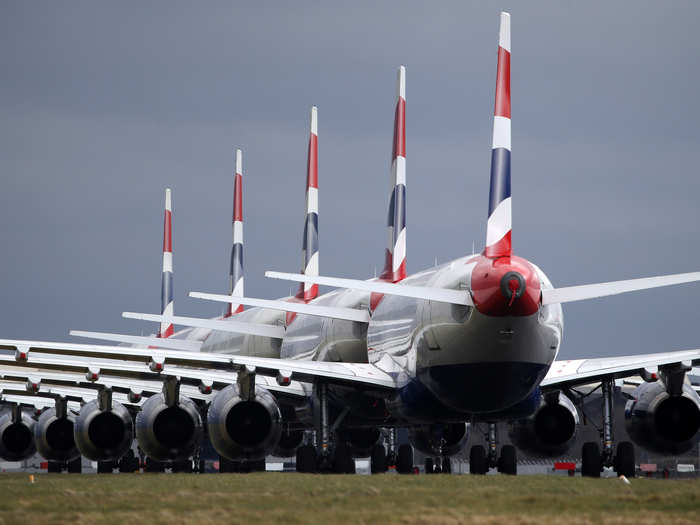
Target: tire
154,466
226,466
590,460
378,460
54,467
429,466
624,460
75,466
128,462
306,459
105,467
404,460
477,460
446,465
508,462
256,466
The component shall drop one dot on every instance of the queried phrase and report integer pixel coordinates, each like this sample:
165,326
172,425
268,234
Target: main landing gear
592,458
480,461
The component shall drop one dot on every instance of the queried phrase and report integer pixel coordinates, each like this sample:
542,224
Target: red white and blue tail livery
498,229
166,291
236,271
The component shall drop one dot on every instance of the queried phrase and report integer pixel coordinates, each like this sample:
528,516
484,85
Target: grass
302,498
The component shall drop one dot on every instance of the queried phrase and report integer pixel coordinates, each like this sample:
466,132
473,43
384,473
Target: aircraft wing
145,367
582,371
143,363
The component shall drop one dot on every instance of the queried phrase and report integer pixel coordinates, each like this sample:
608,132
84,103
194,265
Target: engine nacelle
16,436
53,436
103,435
661,422
168,433
244,429
551,430
360,440
439,439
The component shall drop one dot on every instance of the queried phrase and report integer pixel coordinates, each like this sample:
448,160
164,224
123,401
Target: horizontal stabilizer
591,291
236,327
442,295
160,342
348,314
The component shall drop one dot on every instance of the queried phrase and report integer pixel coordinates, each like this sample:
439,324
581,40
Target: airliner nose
507,286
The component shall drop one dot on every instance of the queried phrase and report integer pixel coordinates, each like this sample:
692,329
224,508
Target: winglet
395,260
498,229
309,291
236,269
166,290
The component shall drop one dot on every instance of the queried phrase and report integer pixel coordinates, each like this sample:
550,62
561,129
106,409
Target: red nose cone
507,286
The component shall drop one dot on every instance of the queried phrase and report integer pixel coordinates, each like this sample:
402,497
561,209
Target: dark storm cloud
103,105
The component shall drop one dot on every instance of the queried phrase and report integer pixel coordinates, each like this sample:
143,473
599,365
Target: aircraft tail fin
166,290
395,260
498,229
236,269
309,291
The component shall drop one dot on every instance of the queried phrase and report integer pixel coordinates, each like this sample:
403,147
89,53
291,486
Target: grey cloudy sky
105,104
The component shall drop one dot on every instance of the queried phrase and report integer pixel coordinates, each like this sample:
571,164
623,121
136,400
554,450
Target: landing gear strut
592,458
480,461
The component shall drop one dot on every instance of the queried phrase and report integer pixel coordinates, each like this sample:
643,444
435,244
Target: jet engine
53,435
439,439
661,422
550,430
360,440
103,433
16,435
168,427
244,427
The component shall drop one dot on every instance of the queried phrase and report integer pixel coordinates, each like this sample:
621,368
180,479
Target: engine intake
53,436
16,436
168,433
550,431
439,439
244,429
103,435
660,422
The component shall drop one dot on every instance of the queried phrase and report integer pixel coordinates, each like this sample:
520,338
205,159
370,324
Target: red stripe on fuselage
503,84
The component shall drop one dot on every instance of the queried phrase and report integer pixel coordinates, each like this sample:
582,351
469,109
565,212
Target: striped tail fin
395,261
498,229
166,290
236,269
308,291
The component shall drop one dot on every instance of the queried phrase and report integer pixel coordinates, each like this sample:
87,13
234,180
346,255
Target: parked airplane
474,339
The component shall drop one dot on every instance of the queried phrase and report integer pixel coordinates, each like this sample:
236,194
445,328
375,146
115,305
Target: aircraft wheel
306,459
508,462
590,460
404,461
75,466
54,467
256,466
154,466
429,466
105,467
378,460
624,460
477,460
446,465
